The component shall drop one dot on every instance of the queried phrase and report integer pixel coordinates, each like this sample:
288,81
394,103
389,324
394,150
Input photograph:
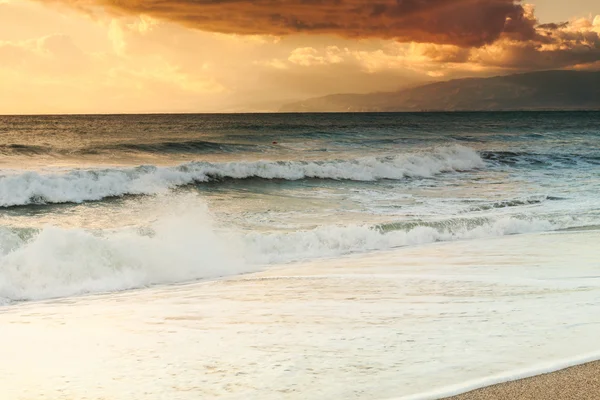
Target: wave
164,147
170,147
77,186
24,149
184,245
55,262
330,241
514,203
538,369
531,159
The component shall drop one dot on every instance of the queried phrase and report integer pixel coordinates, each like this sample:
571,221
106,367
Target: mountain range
544,90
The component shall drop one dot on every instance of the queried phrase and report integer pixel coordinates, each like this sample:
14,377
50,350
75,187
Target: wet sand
581,382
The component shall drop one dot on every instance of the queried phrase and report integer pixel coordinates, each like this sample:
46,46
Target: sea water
336,255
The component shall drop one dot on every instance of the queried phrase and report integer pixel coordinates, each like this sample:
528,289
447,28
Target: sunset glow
90,56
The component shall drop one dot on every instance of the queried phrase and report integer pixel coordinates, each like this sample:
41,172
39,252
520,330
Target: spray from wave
89,185
184,245
53,262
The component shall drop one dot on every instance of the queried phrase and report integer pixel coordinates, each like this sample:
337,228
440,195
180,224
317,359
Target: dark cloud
506,31
553,26
530,56
465,23
553,46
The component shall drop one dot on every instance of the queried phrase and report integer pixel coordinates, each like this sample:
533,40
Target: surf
75,186
185,243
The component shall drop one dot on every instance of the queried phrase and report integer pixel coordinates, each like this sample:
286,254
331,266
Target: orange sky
99,56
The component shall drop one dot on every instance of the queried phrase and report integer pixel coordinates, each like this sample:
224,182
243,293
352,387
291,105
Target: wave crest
89,185
185,246
55,262
329,241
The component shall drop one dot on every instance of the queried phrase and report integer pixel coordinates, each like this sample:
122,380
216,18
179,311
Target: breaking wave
184,245
330,241
54,262
77,186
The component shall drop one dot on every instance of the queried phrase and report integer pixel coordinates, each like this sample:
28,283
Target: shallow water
371,326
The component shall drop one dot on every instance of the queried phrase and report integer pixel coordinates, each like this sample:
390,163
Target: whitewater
365,256
81,185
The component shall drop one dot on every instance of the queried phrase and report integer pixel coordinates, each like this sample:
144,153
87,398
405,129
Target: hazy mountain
545,90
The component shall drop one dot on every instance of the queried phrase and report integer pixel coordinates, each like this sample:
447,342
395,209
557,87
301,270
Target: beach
361,256
446,317
576,383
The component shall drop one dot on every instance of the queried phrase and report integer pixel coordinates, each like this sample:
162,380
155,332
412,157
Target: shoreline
566,379
371,326
576,382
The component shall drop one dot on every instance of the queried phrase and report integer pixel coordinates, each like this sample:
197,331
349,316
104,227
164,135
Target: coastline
576,382
571,378
357,327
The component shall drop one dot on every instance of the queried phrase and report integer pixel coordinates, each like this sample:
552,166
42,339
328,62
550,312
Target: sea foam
75,186
185,245
53,262
330,241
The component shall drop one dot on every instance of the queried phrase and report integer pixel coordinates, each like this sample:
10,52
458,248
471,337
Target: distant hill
546,90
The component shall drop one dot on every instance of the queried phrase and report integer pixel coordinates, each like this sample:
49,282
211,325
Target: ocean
320,256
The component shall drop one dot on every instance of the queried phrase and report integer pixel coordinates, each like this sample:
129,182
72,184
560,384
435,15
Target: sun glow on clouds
92,65
57,59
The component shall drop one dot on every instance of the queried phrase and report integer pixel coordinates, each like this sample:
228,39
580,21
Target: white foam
374,326
328,241
181,246
544,368
87,185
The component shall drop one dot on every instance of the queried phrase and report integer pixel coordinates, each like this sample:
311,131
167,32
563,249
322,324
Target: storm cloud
464,23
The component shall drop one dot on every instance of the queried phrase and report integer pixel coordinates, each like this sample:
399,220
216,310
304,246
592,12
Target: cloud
54,59
308,56
54,53
272,63
164,77
450,34
499,34
574,44
465,23
555,46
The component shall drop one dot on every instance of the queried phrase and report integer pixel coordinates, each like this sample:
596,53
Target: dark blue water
209,134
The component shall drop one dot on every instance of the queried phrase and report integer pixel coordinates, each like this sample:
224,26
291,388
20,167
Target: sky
129,56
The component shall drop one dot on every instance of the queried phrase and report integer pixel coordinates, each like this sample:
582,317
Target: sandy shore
576,383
